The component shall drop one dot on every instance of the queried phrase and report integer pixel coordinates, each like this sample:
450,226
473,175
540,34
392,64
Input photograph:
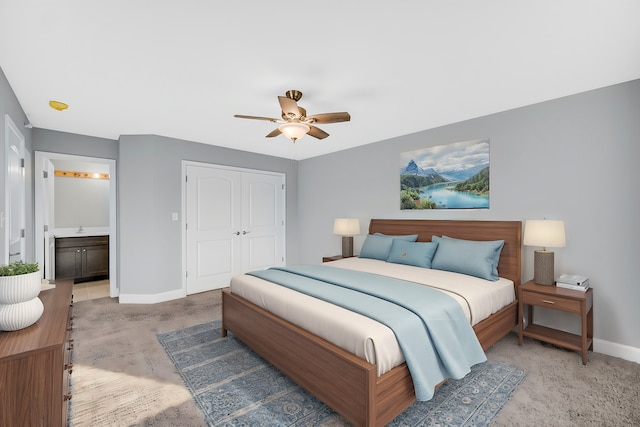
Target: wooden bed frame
344,382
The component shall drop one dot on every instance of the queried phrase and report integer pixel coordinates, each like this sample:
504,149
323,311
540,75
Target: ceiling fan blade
330,117
240,116
317,132
289,106
273,133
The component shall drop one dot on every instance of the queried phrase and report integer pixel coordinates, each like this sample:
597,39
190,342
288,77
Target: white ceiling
183,68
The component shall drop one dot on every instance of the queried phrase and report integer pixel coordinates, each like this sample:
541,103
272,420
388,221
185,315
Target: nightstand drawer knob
548,302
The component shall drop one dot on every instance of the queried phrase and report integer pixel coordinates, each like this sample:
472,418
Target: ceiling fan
294,123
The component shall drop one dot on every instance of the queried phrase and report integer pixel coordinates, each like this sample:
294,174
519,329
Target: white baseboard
151,298
617,350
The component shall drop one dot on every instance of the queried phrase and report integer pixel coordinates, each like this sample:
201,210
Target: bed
345,382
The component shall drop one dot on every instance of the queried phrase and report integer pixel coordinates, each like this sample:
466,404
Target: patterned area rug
235,387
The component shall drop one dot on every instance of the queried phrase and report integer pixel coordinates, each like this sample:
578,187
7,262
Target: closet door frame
188,251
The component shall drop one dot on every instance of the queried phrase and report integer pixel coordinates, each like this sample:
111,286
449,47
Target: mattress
359,334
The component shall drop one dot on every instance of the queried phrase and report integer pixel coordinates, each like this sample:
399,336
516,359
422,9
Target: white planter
20,315
20,306
21,288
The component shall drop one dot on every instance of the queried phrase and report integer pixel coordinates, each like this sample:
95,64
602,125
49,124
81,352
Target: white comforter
358,334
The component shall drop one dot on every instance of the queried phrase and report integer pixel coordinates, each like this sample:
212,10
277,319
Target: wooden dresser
35,364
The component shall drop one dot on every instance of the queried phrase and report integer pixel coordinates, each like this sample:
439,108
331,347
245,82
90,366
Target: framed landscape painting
452,176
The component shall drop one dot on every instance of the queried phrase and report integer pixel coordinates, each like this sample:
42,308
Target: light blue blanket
430,326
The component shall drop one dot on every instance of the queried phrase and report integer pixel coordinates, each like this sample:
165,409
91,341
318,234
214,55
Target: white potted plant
20,306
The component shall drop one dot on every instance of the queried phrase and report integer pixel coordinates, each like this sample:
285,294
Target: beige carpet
123,377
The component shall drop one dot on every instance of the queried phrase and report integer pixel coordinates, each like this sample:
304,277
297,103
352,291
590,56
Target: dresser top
48,331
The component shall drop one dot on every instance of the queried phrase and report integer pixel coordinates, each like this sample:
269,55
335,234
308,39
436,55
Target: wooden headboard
510,265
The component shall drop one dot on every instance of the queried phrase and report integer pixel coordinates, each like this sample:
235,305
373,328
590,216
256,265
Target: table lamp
347,228
545,233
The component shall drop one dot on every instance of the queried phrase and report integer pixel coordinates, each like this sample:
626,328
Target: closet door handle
237,233
245,232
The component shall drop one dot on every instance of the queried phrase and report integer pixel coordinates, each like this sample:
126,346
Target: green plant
17,268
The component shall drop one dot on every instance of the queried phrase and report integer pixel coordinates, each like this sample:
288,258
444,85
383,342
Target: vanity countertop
84,234
73,232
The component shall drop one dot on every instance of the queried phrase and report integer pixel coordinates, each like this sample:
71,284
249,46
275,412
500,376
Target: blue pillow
412,253
496,244
376,247
407,237
475,258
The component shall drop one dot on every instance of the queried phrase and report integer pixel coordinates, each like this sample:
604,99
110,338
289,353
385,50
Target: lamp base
543,273
347,246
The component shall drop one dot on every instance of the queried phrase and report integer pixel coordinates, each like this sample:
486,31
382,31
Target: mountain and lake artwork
452,176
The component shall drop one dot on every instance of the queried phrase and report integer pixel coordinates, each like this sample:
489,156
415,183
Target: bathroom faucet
80,230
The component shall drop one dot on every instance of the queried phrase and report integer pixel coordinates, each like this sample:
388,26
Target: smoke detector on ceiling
57,105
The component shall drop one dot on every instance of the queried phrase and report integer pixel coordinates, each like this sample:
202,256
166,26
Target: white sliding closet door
235,223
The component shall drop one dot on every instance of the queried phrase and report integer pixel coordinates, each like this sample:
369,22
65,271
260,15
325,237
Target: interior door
14,194
213,205
263,221
48,218
44,217
234,224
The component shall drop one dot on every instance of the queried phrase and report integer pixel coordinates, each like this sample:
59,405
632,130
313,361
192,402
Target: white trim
183,229
622,351
187,163
151,298
232,168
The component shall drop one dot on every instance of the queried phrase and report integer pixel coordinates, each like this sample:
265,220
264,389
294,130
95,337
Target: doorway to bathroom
75,202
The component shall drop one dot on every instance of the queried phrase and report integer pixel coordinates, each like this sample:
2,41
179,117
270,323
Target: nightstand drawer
553,301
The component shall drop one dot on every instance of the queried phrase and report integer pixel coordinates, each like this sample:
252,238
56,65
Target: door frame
114,289
185,164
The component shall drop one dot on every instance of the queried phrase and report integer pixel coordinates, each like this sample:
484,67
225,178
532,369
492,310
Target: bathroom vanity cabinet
82,258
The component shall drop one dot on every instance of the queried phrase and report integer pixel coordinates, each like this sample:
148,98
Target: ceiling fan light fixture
295,123
294,130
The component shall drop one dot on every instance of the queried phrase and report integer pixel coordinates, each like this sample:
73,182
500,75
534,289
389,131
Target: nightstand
334,258
552,297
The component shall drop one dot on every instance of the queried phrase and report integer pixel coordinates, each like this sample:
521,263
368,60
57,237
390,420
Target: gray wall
573,159
150,189
78,145
81,201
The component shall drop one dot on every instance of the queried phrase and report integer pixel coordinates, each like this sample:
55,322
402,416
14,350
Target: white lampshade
346,226
545,233
294,130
